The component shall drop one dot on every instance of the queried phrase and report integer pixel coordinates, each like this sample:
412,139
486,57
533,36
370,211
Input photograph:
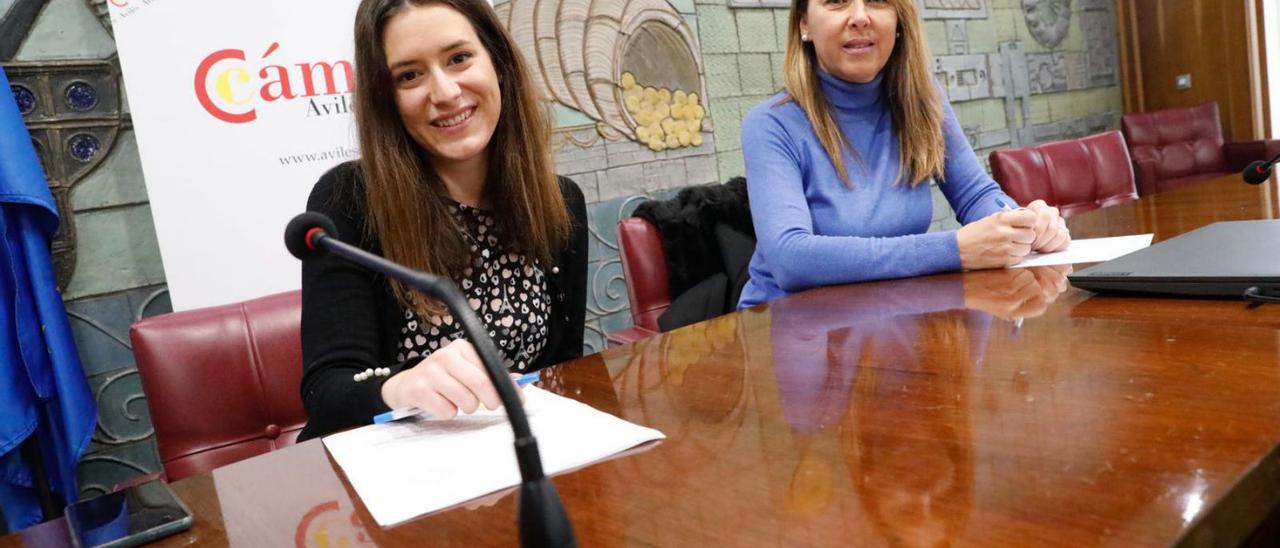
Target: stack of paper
1094,250
405,469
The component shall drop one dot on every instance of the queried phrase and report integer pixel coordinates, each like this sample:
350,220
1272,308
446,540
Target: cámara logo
324,525
230,89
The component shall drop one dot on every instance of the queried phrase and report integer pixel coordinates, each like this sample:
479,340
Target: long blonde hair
909,89
402,191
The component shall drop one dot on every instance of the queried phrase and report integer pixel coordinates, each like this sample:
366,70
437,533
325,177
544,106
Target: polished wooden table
977,409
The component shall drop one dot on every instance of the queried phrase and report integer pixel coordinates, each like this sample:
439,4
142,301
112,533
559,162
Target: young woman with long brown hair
838,165
455,178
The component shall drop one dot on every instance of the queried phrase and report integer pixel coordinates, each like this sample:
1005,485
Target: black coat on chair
708,238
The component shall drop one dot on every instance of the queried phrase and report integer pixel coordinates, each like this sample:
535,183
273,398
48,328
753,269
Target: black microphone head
1256,172
299,235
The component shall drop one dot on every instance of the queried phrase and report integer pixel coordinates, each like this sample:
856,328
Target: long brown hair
909,88
402,192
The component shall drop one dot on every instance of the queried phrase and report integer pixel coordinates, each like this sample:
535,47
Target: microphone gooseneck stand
1256,173
543,521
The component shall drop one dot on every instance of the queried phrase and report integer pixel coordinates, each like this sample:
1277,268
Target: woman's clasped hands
1004,238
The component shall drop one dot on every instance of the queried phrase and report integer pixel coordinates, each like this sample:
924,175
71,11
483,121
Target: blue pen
1000,202
406,412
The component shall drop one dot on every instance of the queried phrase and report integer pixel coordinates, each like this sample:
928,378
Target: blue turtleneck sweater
812,229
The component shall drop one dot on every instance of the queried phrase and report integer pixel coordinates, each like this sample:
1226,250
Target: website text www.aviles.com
335,153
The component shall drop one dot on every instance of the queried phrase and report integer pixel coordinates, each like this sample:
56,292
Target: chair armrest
629,335
1144,171
1238,155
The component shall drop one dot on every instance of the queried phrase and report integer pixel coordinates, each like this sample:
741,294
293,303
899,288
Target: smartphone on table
128,517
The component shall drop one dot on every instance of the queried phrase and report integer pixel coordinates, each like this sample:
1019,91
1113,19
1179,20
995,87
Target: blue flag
43,390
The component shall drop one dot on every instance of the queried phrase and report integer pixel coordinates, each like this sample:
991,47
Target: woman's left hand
1050,228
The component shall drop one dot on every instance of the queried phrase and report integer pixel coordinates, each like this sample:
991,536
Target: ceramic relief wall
628,87
648,97
1027,71
60,59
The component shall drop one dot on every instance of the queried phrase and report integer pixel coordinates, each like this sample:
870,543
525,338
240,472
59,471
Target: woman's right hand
449,381
1001,239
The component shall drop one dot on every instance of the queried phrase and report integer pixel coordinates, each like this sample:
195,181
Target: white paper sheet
1094,250
405,469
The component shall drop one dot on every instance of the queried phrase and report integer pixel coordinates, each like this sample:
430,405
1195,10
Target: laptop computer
1223,259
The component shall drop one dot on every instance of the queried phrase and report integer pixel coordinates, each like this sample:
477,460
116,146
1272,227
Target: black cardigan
351,319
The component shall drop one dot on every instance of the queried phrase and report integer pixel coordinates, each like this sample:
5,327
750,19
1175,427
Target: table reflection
315,511
877,377
904,439
908,441
691,385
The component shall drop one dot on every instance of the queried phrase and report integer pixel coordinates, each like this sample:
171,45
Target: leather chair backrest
223,382
1075,176
644,269
1178,142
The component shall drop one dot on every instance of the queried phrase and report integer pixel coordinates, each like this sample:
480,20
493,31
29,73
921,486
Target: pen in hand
1017,323
406,412
1004,206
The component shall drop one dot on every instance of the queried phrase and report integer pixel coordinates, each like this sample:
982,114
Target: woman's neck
464,180
850,95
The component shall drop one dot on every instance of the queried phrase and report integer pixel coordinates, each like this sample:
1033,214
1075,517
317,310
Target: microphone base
543,521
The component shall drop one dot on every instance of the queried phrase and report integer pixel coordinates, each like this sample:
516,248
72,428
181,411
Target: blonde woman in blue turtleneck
838,165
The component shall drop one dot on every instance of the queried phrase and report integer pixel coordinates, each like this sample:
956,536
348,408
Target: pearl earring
804,37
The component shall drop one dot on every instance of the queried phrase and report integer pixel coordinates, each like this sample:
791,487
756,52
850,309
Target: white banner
239,106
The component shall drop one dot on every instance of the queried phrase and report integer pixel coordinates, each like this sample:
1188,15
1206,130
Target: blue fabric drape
43,390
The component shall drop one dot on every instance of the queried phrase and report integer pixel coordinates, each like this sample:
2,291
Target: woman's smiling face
447,91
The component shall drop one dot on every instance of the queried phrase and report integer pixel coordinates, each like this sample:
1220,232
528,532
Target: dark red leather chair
1075,176
222,382
1179,146
644,269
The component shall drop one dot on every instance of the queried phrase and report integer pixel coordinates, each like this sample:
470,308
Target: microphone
543,521
1258,171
